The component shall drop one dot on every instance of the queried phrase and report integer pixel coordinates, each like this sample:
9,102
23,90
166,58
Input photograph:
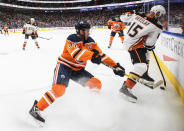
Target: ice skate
35,112
127,92
109,46
147,80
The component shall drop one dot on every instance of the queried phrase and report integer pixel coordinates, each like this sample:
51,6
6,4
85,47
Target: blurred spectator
165,26
17,18
182,27
56,19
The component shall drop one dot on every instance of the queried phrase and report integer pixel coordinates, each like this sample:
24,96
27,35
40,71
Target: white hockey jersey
143,31
29,29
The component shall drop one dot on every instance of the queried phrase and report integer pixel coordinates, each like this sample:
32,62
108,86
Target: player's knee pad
140,68
58,90
94,83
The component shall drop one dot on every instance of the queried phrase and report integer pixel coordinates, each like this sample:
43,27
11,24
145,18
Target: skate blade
157,84
130,99
36,123
127,98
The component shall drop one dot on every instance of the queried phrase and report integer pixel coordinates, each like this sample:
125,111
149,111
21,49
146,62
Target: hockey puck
161,87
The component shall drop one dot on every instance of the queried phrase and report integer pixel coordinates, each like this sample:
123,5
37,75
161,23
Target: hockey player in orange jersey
78,49
6,30
117,27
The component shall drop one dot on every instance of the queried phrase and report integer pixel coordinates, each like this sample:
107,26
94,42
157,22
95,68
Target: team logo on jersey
70,45
116,25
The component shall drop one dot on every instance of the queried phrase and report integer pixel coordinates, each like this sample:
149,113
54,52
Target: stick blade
158,84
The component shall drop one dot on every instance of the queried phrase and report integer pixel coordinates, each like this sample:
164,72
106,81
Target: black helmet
81,26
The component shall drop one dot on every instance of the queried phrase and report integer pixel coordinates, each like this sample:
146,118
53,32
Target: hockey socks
50,96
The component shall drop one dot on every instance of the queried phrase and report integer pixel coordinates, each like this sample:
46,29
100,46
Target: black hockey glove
96,58
23,32
150,48
119,70
109,27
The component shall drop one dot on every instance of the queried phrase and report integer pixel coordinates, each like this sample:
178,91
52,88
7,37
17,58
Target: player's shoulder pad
73,38
90,40
152,20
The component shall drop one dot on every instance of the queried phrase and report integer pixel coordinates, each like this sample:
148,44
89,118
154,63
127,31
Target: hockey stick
44,38
159,68
138,80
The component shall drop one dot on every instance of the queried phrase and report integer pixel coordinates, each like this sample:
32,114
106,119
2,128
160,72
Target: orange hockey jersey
116,25
6,28
76,54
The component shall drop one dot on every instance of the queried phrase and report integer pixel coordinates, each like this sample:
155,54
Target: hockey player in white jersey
30,29
140,39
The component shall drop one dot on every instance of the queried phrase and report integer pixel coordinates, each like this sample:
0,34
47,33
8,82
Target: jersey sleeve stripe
81,54
76,53
69,62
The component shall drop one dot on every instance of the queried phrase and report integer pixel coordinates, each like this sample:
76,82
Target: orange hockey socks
50,96
130,83
122,38
111,39
24,45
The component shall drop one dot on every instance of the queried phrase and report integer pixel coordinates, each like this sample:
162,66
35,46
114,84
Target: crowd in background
68,19
176,15
56,19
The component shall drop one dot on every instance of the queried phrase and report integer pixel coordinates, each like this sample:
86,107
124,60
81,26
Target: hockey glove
23,32
109,27
96,58
150,48
119,70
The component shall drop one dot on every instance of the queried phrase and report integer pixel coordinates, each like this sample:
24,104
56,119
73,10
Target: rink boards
170,50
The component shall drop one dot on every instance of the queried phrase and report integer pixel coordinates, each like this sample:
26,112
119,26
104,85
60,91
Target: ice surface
26,75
